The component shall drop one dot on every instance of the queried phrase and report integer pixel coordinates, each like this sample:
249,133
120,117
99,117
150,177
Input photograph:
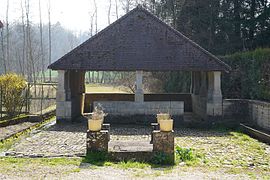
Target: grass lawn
101,88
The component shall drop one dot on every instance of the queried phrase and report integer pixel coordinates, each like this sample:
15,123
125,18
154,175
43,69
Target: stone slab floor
70,140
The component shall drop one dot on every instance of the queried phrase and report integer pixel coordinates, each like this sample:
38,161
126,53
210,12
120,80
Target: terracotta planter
166,125
95,125
162,116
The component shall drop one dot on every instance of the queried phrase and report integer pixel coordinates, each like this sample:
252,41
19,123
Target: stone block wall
250,111
91,97
199,105
146,108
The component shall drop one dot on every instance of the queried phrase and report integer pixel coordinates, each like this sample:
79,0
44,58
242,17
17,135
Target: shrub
250,75
12,87
185,154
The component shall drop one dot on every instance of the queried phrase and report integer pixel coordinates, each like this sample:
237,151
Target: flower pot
95,125
166,125
97,117
162,116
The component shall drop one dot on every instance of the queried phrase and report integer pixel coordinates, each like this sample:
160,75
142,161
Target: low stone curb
14,121
39,119
255,133
18,154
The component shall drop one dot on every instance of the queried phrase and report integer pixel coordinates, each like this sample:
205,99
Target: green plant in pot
96,120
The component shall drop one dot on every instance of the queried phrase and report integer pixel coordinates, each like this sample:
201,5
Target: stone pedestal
163,142
155,126
97,141
106,127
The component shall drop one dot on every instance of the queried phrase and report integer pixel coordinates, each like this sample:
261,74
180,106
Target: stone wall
199,105
91,97
145,108
249,111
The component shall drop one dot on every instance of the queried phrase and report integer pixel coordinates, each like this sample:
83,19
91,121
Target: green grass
103,159
132,164
10,161
101,88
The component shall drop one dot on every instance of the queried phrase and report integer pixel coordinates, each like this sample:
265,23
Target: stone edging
30,118
39,119
14,121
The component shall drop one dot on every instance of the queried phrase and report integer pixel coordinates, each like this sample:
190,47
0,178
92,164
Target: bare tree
3,47
41,42
116,9
127,79
126,5
7,38
27,30
50,39
24,41
30,46
96,15
96,26
109,12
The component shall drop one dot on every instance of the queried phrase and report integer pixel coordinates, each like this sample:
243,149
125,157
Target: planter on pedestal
96,120
162,116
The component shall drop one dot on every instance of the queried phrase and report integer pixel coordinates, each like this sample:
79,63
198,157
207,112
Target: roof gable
139,41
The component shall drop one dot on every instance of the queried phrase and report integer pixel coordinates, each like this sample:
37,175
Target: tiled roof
139,41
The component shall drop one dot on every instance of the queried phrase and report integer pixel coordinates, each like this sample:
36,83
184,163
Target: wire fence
38,98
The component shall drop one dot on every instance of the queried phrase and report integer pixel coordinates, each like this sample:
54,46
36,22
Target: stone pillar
82,91
191,83
77,89
63,103
139,96
214,94
163,142
196,82
97,141
203,87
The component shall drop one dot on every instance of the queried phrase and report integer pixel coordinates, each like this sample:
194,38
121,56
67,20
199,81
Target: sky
71,14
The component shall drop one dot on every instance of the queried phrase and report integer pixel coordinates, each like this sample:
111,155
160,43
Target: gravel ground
89,172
